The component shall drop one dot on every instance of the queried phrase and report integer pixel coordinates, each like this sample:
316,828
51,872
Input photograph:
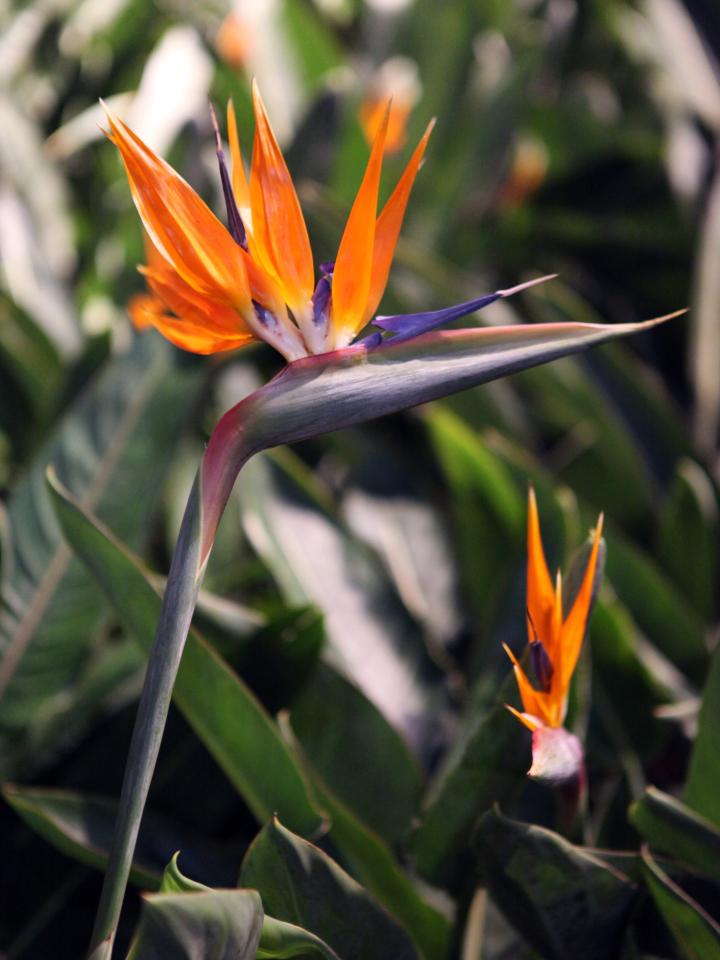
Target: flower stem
177,609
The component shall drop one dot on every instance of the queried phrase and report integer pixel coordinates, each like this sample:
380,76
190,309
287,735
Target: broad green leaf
278,939
564,901
370,636
221,709
81,826
336,725
657,606
111,449
487,507
696,933
488,764
688,536
702,792
671,827
373,864
300,884
205,925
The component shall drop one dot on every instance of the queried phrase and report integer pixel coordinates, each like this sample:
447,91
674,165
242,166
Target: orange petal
354,262
532,723
143,309
240,185
179,223
209,316
533,700
540,597
573,629
389,224
187,336
279,236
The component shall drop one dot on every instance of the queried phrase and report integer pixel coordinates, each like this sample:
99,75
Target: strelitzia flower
213,288
397,79
555,640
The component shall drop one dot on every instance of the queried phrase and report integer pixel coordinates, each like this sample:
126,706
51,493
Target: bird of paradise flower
212,289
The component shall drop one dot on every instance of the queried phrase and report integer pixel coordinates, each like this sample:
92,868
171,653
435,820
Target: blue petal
406,325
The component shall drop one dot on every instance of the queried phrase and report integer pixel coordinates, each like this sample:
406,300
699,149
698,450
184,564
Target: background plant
362,583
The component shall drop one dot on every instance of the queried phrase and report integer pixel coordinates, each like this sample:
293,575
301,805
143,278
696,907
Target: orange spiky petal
354,261
530,722
540,593
389,223
533,701
180,225
279,236
240,185
573,629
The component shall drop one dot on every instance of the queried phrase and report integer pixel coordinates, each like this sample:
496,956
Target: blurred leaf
702,792
688,536
111,449
671,827
487,508
335,725
565,902
220,708
487,764
409,537
659,609
373,864
315,561
212,925
81,826
696,934
300,884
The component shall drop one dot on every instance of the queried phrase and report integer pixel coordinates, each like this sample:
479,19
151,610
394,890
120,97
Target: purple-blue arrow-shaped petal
407,325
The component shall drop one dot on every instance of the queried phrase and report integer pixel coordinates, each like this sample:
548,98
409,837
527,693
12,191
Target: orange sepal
180,225
530,722
389,224
540,593
534,702
354,261
573,629
240,185
279,237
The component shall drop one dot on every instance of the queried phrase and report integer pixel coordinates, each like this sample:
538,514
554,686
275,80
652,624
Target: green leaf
703,786
487,508
315,560
373,864
278,939
174,881
671,827
488,764
281,939
565,902
220,708
696,934
124,426
688,537
81,826
300,884
659,609
205,925
335,725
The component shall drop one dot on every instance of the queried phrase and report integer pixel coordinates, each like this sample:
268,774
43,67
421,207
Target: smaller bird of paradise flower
555,640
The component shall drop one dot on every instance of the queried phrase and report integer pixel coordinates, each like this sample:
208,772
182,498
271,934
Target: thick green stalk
177,610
